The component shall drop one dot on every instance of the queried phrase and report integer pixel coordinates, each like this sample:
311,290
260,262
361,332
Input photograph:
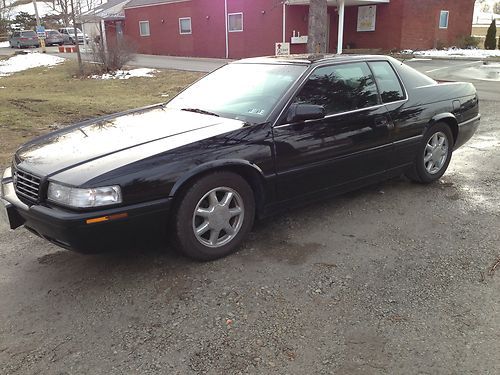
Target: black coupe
250,138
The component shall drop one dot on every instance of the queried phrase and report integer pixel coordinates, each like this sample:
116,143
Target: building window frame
141,33
184,32
443,22
229,15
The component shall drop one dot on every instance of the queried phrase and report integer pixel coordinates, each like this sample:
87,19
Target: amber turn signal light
106,218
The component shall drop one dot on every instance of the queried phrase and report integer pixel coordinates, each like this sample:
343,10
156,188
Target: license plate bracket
9,217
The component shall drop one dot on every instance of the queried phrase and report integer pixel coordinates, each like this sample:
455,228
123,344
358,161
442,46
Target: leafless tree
496,7
61,7
316,42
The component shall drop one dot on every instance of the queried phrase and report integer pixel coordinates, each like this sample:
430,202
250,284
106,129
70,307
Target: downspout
341,26
227,33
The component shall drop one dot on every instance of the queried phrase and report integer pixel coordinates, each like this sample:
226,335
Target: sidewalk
193,64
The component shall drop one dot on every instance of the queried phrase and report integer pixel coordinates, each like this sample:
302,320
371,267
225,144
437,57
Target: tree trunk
318,18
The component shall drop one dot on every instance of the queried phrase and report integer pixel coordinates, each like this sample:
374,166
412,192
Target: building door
119,30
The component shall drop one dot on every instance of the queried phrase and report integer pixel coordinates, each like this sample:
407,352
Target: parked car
68,34
24,38
253,137
53,37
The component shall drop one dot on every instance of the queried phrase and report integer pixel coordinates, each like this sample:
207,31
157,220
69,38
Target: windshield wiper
201,111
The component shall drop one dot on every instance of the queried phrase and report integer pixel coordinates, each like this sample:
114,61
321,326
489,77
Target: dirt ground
397,278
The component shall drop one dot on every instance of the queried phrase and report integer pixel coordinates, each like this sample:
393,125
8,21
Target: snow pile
4,44
126,74
454,52
27,61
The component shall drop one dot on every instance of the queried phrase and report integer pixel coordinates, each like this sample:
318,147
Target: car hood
117,134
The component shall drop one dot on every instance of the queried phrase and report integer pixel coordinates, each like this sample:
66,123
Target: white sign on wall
366,18
282,49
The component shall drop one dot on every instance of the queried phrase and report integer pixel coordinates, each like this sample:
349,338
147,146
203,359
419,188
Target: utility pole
39,25
78,54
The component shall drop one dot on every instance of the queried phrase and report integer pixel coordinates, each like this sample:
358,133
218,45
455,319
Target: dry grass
35,101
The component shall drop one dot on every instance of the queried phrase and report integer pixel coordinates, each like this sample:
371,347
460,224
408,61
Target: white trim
165,2
190,26
284,22
447,12
140,29
235,14
227,35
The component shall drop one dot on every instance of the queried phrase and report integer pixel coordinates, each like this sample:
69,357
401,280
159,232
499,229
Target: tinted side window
387,82
340,88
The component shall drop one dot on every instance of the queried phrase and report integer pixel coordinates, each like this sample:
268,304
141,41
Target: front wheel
214,216
434,154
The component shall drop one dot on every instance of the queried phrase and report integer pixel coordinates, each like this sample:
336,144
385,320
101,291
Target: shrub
491,35
117,54
440,45
467,41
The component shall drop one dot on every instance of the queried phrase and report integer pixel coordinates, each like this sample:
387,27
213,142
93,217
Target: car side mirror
301,112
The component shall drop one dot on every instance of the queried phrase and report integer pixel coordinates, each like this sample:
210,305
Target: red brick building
245,28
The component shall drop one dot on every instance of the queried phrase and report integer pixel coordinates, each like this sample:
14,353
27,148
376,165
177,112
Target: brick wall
420,27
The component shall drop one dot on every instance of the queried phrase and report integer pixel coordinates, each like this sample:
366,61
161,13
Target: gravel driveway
397,278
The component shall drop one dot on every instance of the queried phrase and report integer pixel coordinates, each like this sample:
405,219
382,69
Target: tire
221,205
434,154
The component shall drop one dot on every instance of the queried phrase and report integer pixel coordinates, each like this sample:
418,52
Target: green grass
35,101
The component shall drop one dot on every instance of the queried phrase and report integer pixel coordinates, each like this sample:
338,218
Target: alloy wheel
436,152
218,217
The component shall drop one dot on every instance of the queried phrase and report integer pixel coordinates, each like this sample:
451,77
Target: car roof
310,59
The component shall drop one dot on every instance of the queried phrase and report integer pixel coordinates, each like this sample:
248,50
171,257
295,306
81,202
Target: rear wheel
434,154
214,216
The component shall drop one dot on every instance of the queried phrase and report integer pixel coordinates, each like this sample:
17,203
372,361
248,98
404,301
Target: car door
14,39
348,145
406,134
64,34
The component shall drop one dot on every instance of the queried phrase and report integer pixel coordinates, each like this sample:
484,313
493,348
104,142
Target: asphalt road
397,278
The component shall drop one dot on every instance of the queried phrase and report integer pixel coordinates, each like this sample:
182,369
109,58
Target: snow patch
451,52
19,63
126,74
4,44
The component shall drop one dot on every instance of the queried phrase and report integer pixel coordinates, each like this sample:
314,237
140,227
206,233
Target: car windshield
28,33
246,92
72,31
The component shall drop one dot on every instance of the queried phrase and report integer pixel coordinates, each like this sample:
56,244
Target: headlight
84,198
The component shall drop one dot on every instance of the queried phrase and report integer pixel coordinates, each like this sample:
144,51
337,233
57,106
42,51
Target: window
340,88
235,22
185,25
144,28
443,19
387,81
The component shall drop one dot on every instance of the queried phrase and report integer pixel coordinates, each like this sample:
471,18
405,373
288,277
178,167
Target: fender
215,164
447,117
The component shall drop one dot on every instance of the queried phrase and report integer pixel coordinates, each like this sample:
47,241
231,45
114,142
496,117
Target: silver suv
68,34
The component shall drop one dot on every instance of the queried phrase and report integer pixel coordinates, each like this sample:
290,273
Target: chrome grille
27,185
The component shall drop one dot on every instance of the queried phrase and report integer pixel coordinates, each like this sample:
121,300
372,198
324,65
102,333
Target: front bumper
70,230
